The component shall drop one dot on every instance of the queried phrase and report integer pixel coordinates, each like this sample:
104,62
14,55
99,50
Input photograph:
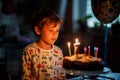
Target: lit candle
96,51
69,48
85,50
76,44
89,51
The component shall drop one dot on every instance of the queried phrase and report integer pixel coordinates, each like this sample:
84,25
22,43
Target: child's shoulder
31,45
56,47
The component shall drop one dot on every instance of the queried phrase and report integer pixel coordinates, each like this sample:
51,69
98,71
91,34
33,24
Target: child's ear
37,30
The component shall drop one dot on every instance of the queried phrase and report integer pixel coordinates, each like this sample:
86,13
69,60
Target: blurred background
78,22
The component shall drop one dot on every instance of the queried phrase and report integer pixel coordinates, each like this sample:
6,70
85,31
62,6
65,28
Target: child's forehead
51,25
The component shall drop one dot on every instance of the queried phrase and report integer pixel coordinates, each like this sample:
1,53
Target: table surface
107,76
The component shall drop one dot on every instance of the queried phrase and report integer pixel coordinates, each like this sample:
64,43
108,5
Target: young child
42,60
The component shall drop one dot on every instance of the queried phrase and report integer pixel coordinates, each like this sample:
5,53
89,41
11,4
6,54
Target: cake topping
83,58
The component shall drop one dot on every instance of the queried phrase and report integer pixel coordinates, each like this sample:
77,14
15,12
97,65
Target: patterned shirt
40,64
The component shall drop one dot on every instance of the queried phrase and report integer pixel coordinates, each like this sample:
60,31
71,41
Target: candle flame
88,46
97,49
77,41
85,49
69,44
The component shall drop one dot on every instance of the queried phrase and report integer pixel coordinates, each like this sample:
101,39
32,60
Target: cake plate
83,73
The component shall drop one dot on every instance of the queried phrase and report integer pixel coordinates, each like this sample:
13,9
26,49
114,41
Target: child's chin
52,42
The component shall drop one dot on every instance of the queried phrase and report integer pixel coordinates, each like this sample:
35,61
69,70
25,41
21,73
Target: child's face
49,33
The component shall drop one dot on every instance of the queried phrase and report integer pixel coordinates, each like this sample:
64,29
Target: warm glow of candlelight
69,48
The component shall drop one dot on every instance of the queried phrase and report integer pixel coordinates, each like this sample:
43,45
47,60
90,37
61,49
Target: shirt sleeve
26,66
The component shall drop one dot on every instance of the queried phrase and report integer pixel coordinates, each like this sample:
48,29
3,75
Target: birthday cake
83,62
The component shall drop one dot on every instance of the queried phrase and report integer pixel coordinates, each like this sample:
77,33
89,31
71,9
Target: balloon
106,10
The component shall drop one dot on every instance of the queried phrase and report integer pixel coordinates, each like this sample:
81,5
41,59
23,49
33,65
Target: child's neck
44,45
